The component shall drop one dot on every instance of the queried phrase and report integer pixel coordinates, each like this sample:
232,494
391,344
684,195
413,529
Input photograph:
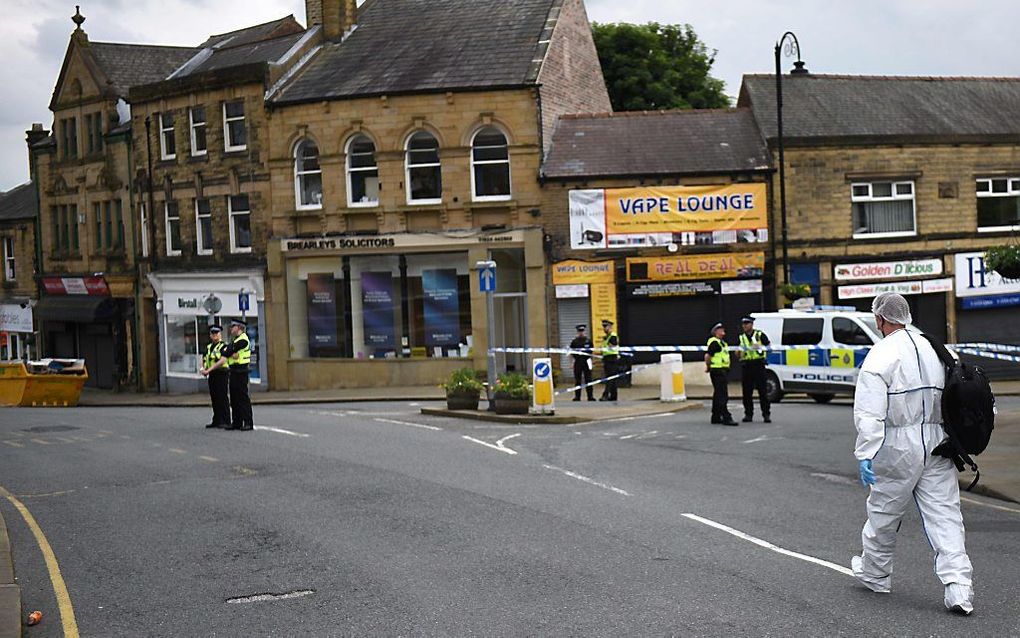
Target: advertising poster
378,309
575,271
603,306
442,307
587,218
321,313
690,267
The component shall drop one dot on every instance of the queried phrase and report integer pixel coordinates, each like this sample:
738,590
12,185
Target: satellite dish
212,304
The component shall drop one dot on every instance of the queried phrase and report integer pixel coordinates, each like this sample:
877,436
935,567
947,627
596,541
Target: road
370,519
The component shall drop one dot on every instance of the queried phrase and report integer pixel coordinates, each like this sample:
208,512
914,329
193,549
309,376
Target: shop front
585,293
986,310
919,280
402,309
16,332
187,304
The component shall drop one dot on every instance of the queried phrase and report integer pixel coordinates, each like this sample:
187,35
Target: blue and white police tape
578,388
987,354
990,347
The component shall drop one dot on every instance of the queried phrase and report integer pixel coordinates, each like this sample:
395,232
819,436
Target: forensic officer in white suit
898,415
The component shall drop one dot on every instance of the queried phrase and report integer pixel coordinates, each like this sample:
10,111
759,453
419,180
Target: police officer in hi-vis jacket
217,376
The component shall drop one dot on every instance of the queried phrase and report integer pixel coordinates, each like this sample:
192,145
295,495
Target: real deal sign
888,269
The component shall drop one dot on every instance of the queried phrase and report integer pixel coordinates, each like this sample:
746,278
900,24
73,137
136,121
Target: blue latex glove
867,474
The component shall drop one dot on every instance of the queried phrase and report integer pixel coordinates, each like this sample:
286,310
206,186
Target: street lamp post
792,47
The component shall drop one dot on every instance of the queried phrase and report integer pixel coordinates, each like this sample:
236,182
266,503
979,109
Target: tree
650,67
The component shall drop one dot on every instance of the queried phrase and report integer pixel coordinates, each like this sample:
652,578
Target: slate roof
129,65
259,32
820,107
656,143
407,46
254,52
18,203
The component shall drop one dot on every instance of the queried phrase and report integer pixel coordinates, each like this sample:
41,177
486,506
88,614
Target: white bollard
671,378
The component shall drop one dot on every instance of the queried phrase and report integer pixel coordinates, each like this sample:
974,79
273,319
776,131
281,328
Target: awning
76,309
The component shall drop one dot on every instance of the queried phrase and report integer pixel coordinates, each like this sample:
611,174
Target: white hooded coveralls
898,415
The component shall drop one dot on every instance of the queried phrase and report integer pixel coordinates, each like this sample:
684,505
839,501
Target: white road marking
767,545
14,444
408,423
994,507
649,434
499,447
267,428
585,479
177,450
211,459
628,436
835,478
757,439
680,436
261,598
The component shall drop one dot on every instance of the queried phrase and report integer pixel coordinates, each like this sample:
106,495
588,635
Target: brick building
403,149
657,221
898,183
17,271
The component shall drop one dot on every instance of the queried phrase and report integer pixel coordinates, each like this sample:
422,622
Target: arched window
307,175
362,172
424,174
490,165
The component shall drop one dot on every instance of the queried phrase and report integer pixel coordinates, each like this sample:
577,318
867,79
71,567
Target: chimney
337,17
36,134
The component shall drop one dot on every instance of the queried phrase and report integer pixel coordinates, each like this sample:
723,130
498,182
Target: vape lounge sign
888,269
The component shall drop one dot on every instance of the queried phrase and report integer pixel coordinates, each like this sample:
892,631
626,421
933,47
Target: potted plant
793,292
462,390
511,394
1004,260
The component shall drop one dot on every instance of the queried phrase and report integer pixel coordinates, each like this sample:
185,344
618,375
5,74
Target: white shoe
879,586
959,598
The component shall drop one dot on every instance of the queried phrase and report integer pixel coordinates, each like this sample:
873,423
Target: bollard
671,378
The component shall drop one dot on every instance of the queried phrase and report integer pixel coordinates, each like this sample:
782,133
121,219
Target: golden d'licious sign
692,267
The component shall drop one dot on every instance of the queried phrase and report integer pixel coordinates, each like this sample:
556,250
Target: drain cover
51,428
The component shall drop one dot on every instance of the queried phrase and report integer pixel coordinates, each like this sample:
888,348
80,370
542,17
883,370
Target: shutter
670,321
571,312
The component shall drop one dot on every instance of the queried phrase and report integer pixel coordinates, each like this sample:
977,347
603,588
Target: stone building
658,222
404,149
17,272
901,183
88,242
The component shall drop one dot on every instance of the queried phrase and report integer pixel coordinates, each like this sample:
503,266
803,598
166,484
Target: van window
849,332
802,332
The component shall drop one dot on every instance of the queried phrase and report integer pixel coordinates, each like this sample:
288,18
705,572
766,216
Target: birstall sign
978,287
888,270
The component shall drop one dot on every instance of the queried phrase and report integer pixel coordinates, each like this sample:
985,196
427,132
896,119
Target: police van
835,341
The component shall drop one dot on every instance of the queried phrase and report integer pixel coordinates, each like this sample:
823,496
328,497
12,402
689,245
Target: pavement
10,592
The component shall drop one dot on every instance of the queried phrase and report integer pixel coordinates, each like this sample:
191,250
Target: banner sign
321,312
378,309
861,291
575,271
603,306
973,280
741,287
14,318
994,301
670,289
660,215
442,307
888,269
684,267
95,286
572,291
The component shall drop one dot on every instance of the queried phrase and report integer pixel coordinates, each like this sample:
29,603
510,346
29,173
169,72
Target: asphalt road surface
369,519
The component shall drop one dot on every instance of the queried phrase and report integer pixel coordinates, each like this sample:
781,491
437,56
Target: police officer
717,365
752,369
238,357
217,375
610,357
582,363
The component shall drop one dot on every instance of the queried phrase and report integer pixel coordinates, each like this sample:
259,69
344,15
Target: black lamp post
792,48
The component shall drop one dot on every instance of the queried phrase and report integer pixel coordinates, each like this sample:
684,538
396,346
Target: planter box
511,406
462,402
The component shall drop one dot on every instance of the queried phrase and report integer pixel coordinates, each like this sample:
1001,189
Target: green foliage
463,382
650,67
795,291
1004,260
512,385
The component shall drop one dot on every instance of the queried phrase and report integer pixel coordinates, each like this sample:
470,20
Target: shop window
173,229
143,227
439,305
196,118
239,211
998,204
12,346
10,271
362,172
883,209
849,332
203,227
490,165
182,348
307,176
167,142
235,135
376,305
802,332
424,172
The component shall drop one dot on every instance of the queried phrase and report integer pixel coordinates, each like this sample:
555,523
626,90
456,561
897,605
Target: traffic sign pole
487,284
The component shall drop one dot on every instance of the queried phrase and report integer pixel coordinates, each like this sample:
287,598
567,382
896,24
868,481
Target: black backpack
968,410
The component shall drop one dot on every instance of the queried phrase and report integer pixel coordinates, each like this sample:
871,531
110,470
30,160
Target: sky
879,37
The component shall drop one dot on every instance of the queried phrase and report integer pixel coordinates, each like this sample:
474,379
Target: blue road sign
542,370
487,279
242,302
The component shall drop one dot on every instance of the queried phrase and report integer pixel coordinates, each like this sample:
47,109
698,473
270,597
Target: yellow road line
67,620
994,507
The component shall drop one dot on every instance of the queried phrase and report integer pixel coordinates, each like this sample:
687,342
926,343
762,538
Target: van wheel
822,398
772,387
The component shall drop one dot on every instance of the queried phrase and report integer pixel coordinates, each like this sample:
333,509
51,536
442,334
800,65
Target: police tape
578,388
990,347
986,354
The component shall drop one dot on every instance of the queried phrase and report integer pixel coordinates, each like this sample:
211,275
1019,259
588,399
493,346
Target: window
167,143
849,332
883,209
998,204
182,349
90,137
307,175
118,224
802,332
10,273
65,228
173,229
143,227
97,212
196,118
69,136
362,172
240,223
203,227
424,174
235,136
490,165
94,133
97,125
